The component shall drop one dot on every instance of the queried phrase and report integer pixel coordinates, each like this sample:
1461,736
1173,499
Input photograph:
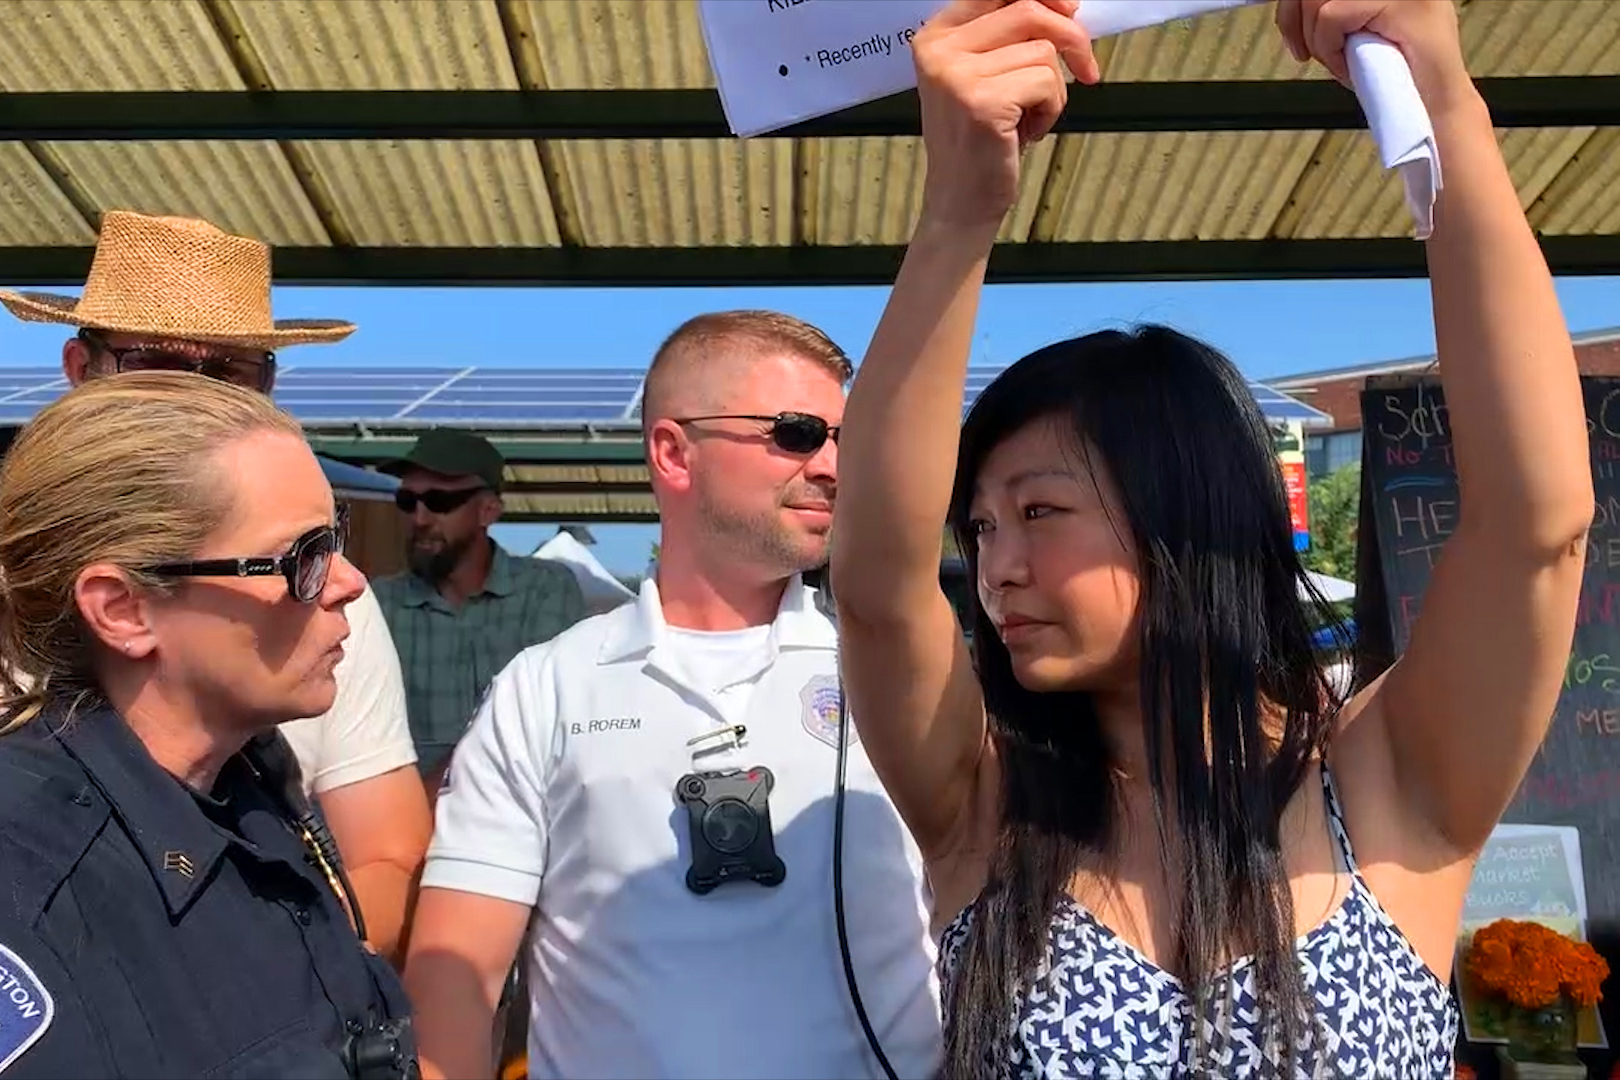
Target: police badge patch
821,698
26,1007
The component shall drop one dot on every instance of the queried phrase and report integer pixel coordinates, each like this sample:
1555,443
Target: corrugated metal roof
605,506
1085,195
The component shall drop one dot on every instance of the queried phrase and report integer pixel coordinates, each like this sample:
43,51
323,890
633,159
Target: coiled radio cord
273,760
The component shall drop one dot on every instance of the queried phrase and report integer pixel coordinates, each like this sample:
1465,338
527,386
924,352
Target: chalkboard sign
1409,507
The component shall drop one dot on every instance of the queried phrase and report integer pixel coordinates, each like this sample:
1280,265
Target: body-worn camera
386,1051
730,818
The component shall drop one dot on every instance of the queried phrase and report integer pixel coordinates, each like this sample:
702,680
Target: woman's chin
314,698
1044,674
1051,673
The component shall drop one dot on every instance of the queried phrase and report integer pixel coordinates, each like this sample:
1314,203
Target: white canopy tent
603,591
1333,590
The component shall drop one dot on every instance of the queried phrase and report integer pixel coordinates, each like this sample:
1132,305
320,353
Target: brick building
1337,392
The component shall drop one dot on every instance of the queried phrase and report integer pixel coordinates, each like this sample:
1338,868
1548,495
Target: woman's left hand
1426,32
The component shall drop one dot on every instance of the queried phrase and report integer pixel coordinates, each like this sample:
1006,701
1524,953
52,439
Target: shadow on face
96,353
766,506
1057,573
244,647
449,517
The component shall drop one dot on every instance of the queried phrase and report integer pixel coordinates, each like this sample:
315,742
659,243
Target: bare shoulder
1418,876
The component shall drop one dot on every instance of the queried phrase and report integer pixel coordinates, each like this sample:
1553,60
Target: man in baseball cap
465,607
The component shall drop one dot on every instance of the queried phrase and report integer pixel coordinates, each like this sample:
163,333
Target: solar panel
337,412
365,374
472,396
570,390
36,399
466,395
516,414
351,387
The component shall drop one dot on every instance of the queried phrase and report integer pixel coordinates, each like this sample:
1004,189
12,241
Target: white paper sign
1528,871
780,62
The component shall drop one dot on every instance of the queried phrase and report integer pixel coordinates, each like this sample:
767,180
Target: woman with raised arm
1154,839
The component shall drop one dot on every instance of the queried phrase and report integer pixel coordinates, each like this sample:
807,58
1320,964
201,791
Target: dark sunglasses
437,500
797,433
305,567
257,375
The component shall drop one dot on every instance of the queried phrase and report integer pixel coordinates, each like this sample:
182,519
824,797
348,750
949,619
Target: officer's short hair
738,332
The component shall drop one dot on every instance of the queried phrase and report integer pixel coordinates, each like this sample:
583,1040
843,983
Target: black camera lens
730,826
692,787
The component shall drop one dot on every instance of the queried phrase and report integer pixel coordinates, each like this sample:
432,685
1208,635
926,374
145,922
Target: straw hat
178,278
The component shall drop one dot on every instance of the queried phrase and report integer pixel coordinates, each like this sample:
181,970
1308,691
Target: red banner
1299,504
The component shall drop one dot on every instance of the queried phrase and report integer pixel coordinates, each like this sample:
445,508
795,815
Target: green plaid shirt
449,656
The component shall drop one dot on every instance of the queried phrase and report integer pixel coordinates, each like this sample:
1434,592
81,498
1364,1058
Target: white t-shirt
364,734
562,795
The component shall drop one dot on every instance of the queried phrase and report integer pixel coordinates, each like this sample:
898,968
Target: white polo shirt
562,795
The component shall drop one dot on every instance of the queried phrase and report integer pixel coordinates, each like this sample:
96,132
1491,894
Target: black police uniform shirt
149,931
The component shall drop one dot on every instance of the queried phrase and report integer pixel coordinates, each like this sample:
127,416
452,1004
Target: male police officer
573,791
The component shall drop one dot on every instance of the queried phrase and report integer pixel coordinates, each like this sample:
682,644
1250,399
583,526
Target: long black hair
1225,645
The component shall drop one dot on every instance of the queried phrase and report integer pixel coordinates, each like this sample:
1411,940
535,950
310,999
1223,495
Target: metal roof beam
1248,105
517,452
578,516
1151,260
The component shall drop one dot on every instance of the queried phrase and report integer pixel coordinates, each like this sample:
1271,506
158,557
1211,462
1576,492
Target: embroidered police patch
26,1007
821,699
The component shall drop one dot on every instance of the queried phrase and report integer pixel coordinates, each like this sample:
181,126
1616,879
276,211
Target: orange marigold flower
1534,966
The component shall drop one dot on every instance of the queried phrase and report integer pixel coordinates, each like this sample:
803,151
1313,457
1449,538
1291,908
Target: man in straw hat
177,294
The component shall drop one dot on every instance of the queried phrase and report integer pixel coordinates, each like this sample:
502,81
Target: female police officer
173,587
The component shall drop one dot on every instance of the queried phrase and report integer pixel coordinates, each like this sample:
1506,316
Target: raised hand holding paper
1399,122
780,62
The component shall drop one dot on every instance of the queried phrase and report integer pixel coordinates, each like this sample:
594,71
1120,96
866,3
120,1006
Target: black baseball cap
452,452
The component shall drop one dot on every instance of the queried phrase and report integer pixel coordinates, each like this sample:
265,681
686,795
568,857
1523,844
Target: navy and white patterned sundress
1099,1008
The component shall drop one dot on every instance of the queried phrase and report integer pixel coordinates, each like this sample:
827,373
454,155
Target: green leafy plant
1335,502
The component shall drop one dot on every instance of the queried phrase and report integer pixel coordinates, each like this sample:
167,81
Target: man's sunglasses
797,433
257,375
305,567
437,500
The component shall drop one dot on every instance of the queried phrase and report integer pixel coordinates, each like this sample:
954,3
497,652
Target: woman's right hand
990,80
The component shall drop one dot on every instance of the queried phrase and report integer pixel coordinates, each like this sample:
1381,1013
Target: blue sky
1268,328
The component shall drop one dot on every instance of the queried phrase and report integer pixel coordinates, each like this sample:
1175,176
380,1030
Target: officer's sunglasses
797,433
305,567
258,374
437,500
